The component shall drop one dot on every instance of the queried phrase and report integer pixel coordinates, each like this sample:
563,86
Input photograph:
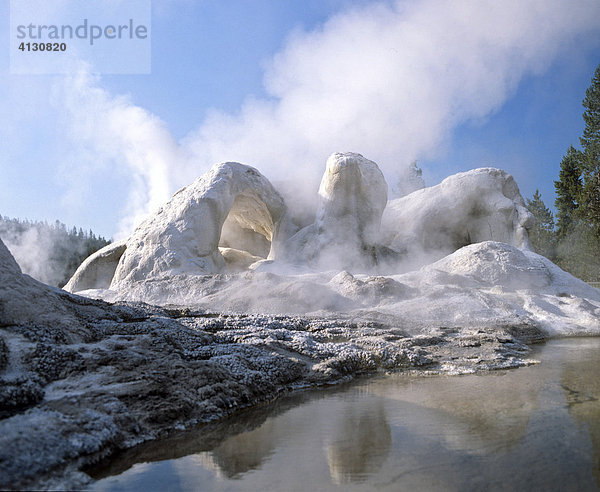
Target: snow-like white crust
352,197
98,269
479,205
485,283
355,228
183,236
174,257
80,378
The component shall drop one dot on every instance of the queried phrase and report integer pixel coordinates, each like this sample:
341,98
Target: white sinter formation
98,269
469,233
70,366
183,236
81,378
345,234
466,208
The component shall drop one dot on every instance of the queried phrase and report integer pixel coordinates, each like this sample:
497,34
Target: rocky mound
183,236
489,281
466,208
231,219
485,283
232,205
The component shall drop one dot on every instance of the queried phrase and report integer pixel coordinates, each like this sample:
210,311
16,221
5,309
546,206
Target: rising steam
390,80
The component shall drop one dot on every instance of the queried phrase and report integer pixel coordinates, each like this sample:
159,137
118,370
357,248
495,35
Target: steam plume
390,80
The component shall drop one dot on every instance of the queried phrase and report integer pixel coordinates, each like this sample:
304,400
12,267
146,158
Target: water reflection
580,382
473,414
230,447
531,428
360,443
241,453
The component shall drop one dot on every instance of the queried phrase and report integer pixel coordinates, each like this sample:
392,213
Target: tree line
48,252
572,241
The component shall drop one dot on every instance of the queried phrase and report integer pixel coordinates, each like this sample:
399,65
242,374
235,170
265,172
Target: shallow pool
533,428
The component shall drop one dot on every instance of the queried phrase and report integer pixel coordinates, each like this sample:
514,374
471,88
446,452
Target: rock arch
183,236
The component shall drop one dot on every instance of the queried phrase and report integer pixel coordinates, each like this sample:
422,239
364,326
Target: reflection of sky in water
531,428
162,475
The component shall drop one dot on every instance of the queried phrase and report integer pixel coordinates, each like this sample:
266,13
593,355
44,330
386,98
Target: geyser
358,257
82,377
232,219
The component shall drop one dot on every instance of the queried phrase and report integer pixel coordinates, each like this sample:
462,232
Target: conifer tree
568,192
50,253
591,115
542,232
590,159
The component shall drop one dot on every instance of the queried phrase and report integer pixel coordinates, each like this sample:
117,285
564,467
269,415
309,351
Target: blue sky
280,85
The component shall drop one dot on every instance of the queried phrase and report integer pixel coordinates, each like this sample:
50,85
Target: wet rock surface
141,372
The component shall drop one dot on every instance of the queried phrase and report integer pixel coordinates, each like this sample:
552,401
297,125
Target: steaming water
531,428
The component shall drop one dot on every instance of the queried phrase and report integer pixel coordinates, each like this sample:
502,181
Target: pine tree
568,192
542,232
578,253
591,115
590,162
52,253
577,249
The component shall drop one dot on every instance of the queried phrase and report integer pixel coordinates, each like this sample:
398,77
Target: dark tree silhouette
49,253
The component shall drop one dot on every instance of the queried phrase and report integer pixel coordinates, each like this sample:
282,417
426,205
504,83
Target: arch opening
247,232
